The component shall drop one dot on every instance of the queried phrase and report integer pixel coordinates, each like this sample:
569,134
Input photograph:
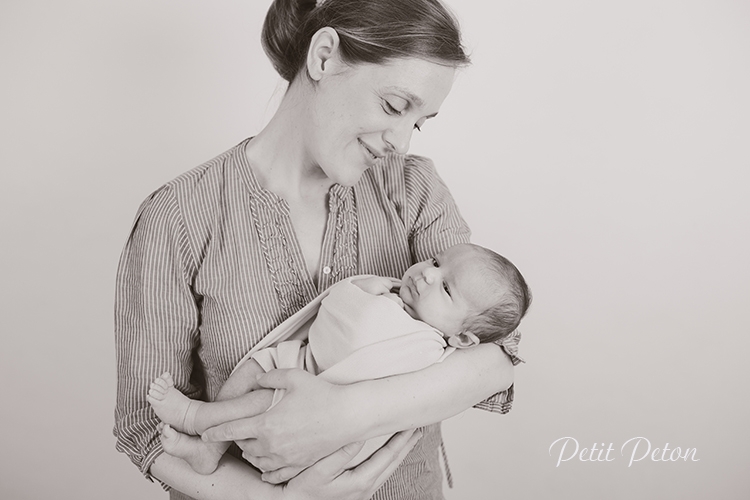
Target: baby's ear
463,340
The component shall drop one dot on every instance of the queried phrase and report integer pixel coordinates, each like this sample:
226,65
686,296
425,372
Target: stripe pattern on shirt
212,265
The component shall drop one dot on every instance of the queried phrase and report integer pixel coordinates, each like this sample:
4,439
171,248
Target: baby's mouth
413,286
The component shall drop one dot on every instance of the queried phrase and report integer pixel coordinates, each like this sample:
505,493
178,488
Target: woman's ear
323,53
463,340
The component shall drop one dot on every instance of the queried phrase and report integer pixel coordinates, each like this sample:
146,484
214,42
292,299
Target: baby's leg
233,401
202,457
242,381
236,399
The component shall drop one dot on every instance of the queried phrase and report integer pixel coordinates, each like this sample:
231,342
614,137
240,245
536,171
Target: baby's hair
370,31
499,320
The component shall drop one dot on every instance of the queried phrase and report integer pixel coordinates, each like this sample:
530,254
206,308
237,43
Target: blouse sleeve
156,322
501,402
436,224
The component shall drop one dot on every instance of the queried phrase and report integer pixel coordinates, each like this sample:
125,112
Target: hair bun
282,37
370,31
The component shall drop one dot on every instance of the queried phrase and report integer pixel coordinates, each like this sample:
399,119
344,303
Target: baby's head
469,293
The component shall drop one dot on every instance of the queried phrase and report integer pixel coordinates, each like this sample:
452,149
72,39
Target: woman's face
366,111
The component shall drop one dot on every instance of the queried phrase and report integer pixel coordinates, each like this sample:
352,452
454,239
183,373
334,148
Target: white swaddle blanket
352,336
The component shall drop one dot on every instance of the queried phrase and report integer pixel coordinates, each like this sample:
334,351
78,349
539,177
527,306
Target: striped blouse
212,265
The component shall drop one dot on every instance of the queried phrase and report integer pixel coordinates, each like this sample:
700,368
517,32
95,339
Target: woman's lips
369,152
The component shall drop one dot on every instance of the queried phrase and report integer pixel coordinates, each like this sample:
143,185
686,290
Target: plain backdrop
604,147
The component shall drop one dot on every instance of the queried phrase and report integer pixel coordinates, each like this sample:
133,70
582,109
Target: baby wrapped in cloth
352,336
357,330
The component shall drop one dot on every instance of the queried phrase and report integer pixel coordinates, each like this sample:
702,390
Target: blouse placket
339,253
283,255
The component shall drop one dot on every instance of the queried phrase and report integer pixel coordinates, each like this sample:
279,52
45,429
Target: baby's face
445,290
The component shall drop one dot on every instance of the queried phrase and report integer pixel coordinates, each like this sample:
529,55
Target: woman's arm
315,417
156,322
436,393
234,480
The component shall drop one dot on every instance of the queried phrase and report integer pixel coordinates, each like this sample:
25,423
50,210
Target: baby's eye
435,262
447,290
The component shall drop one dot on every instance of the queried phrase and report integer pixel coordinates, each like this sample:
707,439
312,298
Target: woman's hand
316,418
328,479
311,422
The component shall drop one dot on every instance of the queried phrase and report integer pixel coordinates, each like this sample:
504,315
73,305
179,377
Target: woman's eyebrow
409,95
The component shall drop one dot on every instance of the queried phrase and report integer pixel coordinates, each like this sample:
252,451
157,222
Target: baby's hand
376,285
395,298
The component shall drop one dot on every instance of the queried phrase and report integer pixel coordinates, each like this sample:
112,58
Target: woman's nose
399,139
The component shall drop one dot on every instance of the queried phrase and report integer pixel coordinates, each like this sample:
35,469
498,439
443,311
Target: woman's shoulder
193,200
208,174
202,187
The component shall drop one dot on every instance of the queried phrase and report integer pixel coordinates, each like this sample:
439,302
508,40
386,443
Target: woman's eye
416,126
391,110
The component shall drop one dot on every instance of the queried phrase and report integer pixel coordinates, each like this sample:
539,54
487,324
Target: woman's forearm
436,393
328,478
315,417
232,480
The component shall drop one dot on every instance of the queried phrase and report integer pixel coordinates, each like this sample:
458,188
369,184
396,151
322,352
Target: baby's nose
429,275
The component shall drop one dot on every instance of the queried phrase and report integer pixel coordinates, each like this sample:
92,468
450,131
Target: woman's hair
499,320
370,31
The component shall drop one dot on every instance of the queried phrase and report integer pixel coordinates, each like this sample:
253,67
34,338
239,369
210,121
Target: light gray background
602,146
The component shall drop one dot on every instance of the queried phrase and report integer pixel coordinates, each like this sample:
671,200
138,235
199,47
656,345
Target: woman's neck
280,156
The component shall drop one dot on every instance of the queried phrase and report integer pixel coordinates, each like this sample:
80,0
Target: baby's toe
167,378
161,383
168,434
155,393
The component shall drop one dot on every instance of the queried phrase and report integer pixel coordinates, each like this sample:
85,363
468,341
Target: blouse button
326,270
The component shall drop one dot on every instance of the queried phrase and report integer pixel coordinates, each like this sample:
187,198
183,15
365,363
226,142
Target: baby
464,296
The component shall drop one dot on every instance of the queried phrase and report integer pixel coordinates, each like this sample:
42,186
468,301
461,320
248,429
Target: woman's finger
333,464
281,475
282,378
236,430
264,464
260,463
251,447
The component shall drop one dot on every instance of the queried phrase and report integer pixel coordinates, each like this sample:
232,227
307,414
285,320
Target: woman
224,253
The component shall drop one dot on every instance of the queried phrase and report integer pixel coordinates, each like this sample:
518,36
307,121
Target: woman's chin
350,178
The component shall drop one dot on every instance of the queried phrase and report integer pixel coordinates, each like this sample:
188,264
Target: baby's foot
172,406
202,457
